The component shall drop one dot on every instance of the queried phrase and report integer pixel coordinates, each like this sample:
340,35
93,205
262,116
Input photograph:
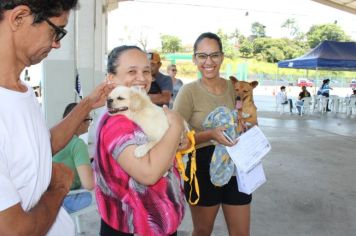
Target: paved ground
310,188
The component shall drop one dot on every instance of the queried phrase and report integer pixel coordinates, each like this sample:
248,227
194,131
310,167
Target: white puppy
136,105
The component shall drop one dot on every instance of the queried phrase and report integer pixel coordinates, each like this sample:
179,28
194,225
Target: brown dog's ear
233,79
254,84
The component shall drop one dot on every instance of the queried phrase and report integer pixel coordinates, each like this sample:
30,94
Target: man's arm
40,218
64,131
166,85
161,98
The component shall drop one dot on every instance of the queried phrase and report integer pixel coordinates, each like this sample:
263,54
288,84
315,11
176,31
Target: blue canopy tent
328,55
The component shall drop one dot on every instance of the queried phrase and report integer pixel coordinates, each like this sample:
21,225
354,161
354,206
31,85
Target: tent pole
317,79
275,82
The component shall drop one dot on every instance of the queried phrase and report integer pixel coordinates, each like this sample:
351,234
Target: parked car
353,84
304,82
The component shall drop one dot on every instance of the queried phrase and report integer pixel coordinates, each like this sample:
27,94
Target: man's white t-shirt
26,156
281,97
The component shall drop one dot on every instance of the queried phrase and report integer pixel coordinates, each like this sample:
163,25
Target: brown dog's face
123,99
243,89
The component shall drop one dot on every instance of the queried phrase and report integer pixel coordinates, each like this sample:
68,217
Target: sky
187,19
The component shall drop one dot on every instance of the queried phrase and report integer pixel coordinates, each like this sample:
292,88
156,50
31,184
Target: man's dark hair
41,9
113,58
208,35
69,108
283,87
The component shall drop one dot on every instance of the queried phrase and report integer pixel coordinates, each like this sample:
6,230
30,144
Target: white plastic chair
307,105
343,104
316,103
280,107
75,215
351,106
334,103
323,104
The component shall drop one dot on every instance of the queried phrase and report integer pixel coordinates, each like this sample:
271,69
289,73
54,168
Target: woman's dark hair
41,9
325,81
69,108
114,55
208,35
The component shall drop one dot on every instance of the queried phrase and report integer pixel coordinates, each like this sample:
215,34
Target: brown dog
247,110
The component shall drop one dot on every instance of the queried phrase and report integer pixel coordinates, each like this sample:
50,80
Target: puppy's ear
233,79
137,100
254,84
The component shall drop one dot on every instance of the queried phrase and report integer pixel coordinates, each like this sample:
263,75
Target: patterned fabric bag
221,166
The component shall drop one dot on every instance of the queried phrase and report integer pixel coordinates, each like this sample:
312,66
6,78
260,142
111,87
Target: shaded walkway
311,172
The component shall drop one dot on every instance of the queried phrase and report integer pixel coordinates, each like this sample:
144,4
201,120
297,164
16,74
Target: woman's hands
218,136
174,119
184,142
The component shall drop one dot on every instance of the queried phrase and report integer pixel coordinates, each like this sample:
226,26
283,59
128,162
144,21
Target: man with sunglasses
31,187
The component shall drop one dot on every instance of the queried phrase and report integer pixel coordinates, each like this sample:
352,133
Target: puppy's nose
109,102
238,98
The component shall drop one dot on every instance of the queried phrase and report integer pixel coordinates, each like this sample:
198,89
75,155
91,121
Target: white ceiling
344,5
113,4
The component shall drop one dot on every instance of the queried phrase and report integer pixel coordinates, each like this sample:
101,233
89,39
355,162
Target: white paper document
250,181
249,150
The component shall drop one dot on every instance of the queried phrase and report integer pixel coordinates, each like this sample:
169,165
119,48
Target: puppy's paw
140,151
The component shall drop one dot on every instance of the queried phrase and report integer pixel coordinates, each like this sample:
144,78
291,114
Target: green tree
234,37
228,45
274,54
170,44
319,33
258,29
270,49
291,25
246,48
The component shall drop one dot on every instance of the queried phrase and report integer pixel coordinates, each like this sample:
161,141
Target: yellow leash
193,166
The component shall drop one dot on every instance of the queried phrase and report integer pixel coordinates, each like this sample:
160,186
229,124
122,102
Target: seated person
283,99
161,86
76,156
304,93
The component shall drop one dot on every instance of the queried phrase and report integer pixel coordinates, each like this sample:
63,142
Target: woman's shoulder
191,87
192,84
117,124
179,81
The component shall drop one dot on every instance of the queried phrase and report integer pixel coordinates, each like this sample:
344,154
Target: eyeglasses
59,32
88,120
174,70
202,57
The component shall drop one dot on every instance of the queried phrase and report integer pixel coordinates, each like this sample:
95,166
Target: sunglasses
59,32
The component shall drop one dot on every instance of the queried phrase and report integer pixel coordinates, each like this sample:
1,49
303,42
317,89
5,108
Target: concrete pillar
92,21
86,45
100,41
59,76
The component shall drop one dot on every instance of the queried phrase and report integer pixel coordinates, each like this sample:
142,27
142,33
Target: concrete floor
311,176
